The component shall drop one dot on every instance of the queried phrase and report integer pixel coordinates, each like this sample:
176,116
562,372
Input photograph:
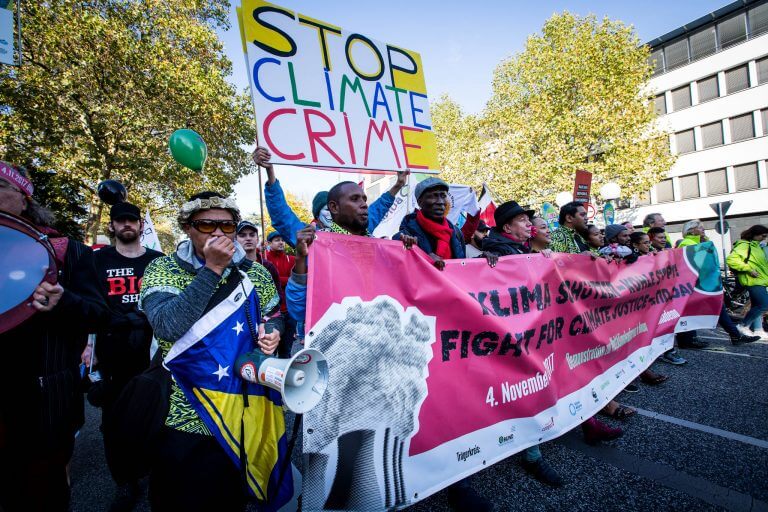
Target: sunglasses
209,226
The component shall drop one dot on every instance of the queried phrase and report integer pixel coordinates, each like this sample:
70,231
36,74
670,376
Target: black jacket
41,401
498,244
427,243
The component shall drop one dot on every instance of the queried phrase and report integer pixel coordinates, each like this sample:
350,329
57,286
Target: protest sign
328,97
582,186
438,375
550,215
461,200
149,237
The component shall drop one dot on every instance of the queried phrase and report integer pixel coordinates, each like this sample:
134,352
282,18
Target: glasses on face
207,226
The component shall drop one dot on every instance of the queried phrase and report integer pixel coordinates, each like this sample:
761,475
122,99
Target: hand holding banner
439,375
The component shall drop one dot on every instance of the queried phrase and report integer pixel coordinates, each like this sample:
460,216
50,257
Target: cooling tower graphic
356,439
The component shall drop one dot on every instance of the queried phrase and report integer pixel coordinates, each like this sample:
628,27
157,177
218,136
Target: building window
684,142
712,135
676,54
643,199
689,186
708,89
764,115
703,43
660,104
656,60
742,127
746,177
762,68
664,192
733,30
681,98
717,183
758,20
737,79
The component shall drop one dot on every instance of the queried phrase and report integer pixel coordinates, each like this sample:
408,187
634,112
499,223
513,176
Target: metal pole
18,27
722,236
261,205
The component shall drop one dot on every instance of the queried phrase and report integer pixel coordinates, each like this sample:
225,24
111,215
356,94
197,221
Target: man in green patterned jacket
192,471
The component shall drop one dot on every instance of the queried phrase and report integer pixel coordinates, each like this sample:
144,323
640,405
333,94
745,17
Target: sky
460,45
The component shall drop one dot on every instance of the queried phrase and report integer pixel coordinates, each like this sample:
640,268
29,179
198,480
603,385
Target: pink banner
448,372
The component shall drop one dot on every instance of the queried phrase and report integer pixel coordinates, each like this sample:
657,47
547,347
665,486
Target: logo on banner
668,316
594,395
550,424
507,438
574,407
471,452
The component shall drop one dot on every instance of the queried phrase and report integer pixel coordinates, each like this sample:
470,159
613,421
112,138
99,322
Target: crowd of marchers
139,302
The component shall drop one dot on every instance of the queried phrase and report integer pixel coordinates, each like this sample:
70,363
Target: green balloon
188,148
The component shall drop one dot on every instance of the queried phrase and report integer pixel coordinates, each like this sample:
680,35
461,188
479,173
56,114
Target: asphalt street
699,442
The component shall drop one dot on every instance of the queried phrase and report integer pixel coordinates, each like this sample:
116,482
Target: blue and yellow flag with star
245,418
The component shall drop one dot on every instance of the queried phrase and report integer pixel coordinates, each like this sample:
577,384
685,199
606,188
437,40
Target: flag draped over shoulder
235,411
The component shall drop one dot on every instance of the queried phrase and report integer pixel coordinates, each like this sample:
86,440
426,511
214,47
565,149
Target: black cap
483,226
124,211
272,235
507,211
246,224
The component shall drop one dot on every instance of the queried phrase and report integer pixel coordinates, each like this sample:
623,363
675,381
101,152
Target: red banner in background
582,186
436,375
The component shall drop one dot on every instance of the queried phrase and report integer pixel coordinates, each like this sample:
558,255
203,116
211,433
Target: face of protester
623,238
579,221
760,238
658,222
519,227
644,245
249,239
698,231
200,239
659,241
277,244
12,199
542,230
351,210
595,238
126,230
630,227
478,238
433,203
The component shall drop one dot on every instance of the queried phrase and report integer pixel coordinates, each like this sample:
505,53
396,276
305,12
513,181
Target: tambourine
27,259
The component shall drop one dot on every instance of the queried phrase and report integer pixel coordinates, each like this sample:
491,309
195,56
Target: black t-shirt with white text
120,277
122,347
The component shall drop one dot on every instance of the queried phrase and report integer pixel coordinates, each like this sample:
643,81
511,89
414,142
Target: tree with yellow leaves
575,98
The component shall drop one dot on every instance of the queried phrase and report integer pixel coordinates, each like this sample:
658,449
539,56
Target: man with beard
122,348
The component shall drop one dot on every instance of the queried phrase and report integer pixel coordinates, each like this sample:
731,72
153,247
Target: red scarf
442,232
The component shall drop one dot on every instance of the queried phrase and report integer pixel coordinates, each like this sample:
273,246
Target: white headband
191,207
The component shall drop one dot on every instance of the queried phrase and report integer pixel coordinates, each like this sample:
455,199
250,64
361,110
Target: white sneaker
746,331
760,332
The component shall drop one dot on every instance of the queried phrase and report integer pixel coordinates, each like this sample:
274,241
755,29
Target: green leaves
575,98
106,82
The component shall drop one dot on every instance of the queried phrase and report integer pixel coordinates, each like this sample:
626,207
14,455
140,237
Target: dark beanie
319,202
613,230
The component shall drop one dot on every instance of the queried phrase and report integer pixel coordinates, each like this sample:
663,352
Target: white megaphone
301,380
